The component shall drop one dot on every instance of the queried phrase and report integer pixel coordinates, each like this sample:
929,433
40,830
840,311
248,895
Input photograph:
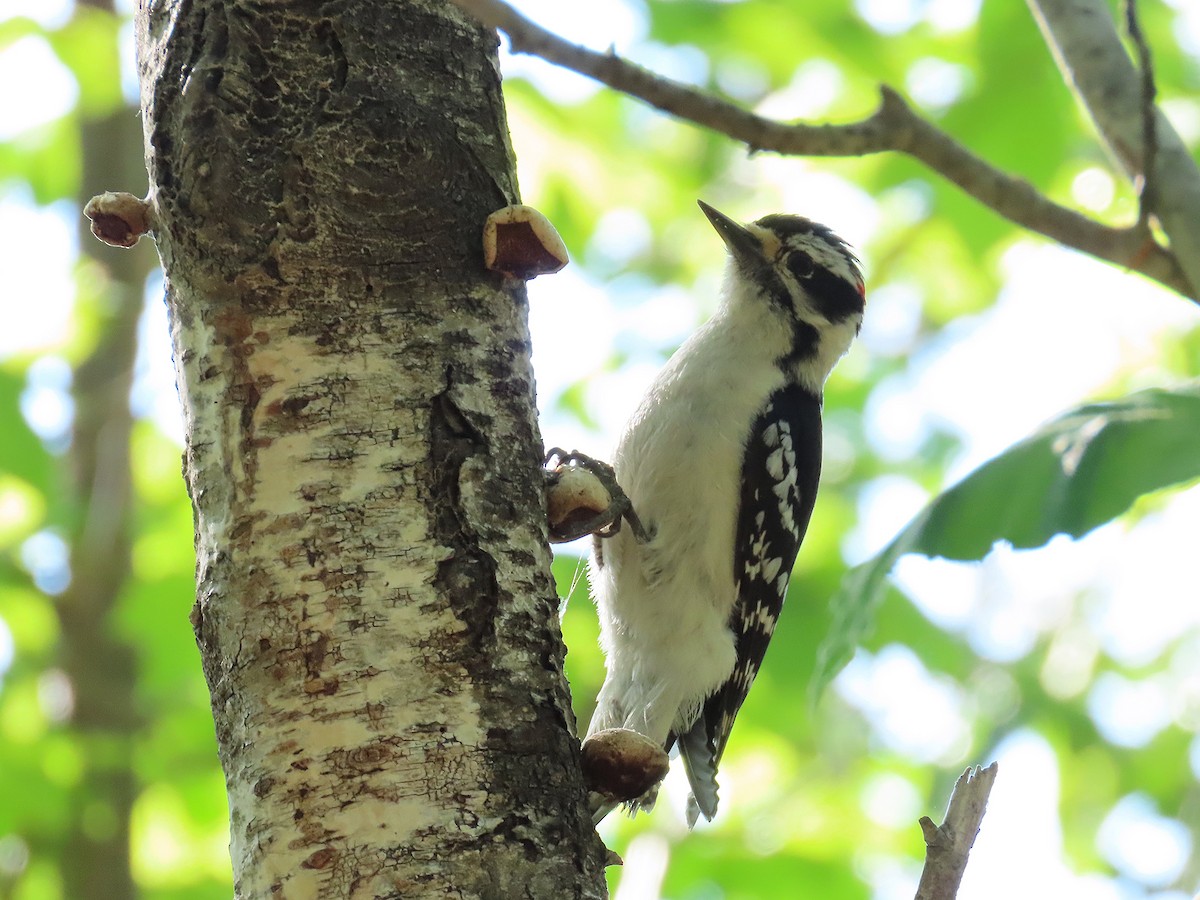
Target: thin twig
948,845
892,127
1147,181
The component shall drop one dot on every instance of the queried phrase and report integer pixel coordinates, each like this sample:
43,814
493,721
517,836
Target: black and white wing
780,471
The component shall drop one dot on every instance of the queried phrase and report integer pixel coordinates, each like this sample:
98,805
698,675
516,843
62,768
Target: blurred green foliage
1070,477
819,800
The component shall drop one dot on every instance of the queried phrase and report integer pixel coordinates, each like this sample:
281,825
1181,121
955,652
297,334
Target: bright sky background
1102,320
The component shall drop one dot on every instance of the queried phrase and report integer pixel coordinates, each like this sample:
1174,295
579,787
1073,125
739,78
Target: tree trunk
374,608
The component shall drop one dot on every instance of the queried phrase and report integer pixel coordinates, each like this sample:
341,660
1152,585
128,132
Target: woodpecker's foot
583,497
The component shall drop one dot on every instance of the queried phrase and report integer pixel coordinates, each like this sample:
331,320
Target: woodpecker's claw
635,524
583,497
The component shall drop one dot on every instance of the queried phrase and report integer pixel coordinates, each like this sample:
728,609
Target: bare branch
948,845
1088,50
893,127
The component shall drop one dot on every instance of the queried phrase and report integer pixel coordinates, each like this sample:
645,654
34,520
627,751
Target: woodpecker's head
806,274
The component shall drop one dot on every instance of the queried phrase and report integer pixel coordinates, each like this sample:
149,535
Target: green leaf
1073,475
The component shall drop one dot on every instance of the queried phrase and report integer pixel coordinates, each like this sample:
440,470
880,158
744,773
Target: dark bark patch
322,859
327,35
467,577
293,406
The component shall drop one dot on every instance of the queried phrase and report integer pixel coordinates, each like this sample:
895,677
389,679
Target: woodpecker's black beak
745,247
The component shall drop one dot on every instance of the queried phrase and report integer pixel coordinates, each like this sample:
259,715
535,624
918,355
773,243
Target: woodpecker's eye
800,264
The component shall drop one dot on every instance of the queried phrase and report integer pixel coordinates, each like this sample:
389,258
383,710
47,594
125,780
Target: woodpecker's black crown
798,231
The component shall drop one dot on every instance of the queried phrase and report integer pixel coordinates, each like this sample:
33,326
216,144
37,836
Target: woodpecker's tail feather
699,761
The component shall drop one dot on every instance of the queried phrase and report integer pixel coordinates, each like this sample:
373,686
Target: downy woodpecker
721,462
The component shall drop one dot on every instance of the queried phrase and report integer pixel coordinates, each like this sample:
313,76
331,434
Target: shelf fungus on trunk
119,218
519,242
621,766
583,497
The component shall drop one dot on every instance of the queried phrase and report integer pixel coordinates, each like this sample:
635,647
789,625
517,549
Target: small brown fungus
622,765
576,497
518,241
118,218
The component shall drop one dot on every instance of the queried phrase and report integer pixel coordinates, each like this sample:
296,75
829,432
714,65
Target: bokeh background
1076,665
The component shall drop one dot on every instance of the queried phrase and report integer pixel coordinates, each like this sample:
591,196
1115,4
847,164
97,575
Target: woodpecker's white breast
669,599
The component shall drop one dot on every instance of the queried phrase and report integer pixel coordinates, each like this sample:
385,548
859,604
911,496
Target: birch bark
374,609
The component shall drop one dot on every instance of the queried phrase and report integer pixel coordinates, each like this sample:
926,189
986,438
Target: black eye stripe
835,297
800,264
